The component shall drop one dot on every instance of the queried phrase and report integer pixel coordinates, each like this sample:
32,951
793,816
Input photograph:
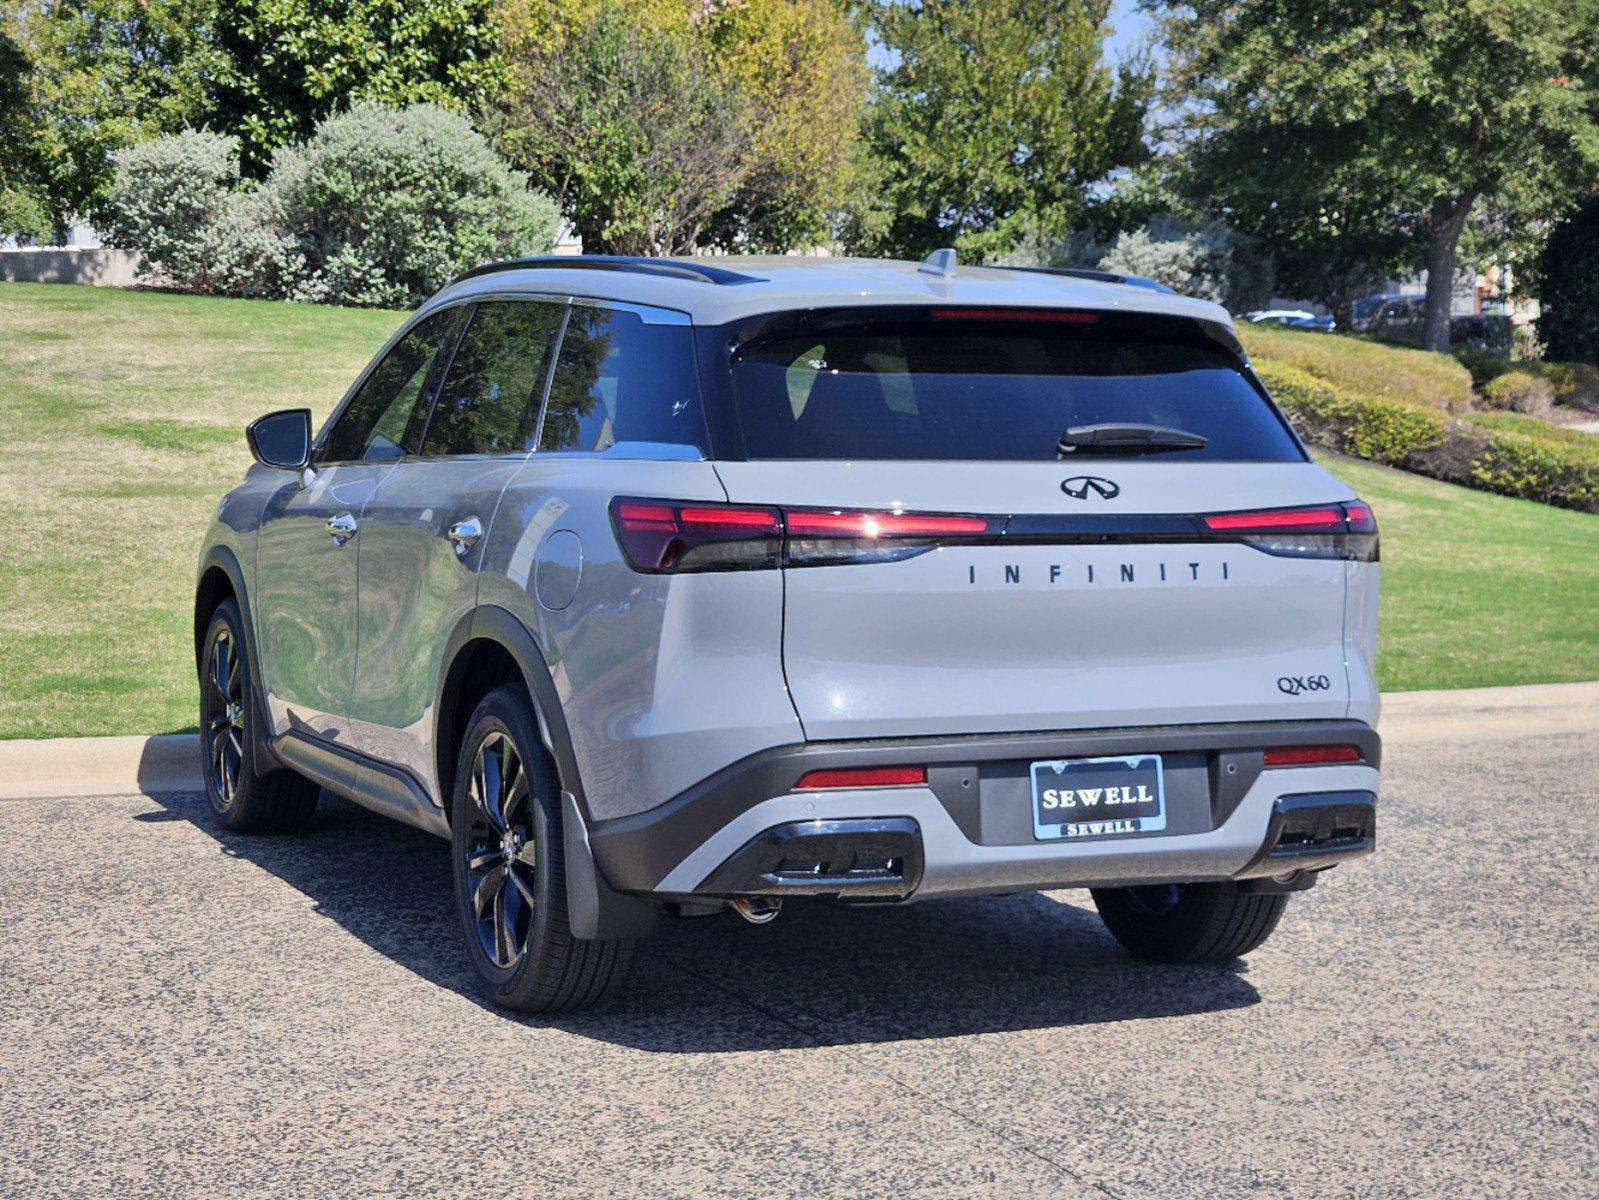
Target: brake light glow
1347,531
882,524
1300,518
862,777
1059,316
1306,756
660,536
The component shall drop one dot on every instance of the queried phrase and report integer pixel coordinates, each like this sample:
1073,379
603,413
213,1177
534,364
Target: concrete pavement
191,1013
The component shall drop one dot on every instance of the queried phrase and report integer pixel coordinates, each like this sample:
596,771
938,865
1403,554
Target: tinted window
619,379
384,418
489,401
935,386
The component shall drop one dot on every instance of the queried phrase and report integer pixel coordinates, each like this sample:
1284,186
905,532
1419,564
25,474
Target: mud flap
593,909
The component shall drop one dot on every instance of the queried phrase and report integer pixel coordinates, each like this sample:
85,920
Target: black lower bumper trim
880,858
637,852
1314,830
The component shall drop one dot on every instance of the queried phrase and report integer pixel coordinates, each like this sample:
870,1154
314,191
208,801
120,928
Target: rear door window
384,419
992,385
621,379
490,398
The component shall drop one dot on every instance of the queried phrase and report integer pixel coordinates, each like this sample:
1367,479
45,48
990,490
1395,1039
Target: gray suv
671,587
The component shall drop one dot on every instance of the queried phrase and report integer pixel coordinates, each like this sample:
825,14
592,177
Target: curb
49,768
53,768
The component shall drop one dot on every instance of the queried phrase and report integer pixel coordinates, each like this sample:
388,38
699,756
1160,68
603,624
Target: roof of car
713,291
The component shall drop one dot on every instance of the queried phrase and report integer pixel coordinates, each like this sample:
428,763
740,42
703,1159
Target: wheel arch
221,578
488,647
480,654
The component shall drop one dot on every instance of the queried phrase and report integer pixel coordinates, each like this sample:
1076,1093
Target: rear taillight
1310,756
819,537
1346,531
661,536
862,777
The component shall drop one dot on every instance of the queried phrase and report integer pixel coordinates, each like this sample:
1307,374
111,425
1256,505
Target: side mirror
282,439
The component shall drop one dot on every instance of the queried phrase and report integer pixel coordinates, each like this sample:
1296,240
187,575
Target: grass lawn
120,427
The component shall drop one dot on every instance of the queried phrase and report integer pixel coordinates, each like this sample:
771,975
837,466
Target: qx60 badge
1080,487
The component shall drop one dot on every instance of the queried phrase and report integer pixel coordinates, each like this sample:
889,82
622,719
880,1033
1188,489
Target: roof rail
1137,281
670,268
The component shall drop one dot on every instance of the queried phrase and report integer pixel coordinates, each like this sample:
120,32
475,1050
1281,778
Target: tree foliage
24,203
995,119
105,74
1569,288
284,65
1358,140
663,126
102,74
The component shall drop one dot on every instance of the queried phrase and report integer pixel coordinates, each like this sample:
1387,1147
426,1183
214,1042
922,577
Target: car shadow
819,975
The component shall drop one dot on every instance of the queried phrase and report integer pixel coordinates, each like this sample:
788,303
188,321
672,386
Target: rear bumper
747,831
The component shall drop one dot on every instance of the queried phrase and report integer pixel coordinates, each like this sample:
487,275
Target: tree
1568,293
997,119
103,74
1355,140
284,65
24,204
638,138
666,127
801,68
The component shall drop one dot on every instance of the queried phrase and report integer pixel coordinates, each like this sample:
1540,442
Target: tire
510,870
244,798
1189,922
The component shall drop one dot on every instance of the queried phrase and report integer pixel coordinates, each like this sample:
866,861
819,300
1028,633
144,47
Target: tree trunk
1449,215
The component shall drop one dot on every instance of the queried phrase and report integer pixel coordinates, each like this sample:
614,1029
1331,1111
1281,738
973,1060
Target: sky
1128,28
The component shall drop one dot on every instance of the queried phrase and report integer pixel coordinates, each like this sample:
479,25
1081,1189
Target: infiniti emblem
1079,486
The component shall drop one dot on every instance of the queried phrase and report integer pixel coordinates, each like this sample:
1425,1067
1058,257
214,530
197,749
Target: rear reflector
862,777
1305,756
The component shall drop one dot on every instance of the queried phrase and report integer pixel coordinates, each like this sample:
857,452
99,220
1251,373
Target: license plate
1076,798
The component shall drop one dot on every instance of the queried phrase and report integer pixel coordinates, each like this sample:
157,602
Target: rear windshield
987,385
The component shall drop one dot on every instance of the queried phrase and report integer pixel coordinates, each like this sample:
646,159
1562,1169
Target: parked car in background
1404,318
1291,318
663,586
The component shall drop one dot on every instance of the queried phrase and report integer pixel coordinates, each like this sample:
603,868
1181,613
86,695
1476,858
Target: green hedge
1573,383
1497,452
1360,365
1531,458
1374,427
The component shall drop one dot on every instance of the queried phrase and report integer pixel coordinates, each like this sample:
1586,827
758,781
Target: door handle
341,528
465,535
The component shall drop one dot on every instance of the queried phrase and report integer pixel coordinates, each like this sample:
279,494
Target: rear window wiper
1114,438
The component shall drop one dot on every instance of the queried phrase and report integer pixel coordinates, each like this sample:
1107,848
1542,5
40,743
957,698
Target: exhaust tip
757,910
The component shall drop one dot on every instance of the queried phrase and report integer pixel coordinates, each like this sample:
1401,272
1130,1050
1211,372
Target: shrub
1573,383
1533,459
167,198
1508,453
1482,363
1364,367
1518,391
387,205
1374,427
1203,258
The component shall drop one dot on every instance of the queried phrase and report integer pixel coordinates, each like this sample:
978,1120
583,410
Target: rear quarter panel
663,679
